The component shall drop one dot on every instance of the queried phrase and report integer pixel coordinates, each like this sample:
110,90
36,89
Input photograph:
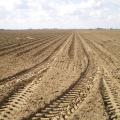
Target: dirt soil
60,74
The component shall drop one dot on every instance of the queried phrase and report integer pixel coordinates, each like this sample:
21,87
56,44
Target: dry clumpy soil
60,75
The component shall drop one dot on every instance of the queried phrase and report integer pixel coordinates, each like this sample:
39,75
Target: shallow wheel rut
16,99
64,105
59,75
111,98
109,87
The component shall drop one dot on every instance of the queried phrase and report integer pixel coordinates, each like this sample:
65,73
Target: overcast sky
19,14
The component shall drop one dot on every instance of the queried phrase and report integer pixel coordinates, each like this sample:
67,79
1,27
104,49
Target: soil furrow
45,42
14,100
24,81
108,87
26,71
59,74
23,46
110,99
11,46
71,49
66,103
49,45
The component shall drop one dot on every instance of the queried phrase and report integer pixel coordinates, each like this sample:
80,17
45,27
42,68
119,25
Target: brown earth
60,75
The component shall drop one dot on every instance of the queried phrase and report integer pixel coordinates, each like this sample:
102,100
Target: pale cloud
9,4
59,13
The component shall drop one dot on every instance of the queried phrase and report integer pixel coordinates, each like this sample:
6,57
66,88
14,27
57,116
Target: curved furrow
112,49
34,73
38,43
20,91
12,46
65,104
111,98
23,80
109,44
18,100
26,72
19,38
105,51
103,57
108,86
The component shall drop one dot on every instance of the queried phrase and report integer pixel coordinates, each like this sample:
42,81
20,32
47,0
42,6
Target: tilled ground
60,75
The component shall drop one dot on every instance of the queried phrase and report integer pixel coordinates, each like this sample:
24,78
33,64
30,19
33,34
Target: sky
68,14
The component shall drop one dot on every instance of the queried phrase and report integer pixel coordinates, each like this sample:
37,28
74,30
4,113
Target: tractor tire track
110,98
104,58
64,105
24,79
25,72
19,97
108,87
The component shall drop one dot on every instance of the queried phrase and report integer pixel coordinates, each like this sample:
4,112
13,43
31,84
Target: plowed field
60,75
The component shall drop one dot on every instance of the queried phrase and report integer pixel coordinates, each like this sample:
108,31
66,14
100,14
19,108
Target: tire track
105,58
19,98
64,105
110,98
17,102
104,51
57,108
108,87
26,72
27,77
113,53
16,89
34,73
